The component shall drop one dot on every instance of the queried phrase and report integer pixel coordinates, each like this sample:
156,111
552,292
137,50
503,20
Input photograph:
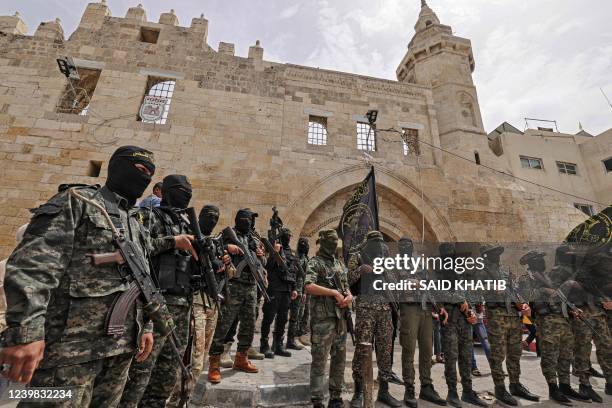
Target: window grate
410,142
366,137
164,88
317,130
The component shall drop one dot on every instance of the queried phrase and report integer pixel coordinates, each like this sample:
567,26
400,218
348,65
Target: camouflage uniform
504,328
297,305
54,293
304,312
373,323
151,381
327,325
204,323
242,304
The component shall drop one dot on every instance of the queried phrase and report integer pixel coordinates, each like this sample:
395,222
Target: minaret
444,62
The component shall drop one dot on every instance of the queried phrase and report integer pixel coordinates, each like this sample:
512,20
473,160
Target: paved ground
284,382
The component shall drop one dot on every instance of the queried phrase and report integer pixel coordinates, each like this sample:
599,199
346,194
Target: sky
543,59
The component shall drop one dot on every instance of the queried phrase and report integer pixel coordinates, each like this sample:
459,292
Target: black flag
359,216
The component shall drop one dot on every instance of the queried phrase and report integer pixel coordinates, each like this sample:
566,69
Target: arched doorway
319,205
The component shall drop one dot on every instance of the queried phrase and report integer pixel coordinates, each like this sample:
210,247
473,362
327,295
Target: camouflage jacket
162,228
368,297
321,271
301,275
55,293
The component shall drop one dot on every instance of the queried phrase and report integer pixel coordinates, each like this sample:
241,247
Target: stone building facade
239,128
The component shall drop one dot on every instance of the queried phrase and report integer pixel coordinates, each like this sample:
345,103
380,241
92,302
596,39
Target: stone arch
468,112
321,197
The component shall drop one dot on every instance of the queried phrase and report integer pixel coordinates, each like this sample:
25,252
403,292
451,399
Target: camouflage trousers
457,347
505,335
304,317
374,325
205,321
416,325
242,304
328,337
296,311
555,332
582,346
97,383
151,382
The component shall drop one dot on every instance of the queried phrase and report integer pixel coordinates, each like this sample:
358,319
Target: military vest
323,307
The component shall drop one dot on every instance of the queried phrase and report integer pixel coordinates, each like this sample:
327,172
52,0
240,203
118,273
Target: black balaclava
303,246
176,191
209,216
285,237
244,220
405,246
492,253
374,247
123,176
328,243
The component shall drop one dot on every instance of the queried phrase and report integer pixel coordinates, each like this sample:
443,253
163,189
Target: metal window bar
410,141
366,137
164,89
317,131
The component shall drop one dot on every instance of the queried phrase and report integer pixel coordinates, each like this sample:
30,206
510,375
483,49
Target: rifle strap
110,202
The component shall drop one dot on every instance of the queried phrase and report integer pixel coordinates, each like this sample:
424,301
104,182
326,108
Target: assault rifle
127,256
335,283
252,262
206,259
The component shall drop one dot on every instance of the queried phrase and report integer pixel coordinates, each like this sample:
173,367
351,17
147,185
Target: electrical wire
420,141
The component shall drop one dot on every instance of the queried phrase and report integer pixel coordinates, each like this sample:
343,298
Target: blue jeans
481,333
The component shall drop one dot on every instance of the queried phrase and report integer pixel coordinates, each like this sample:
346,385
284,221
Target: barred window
410,142
161,87
366,137
531,163
566,168
317,130
78,92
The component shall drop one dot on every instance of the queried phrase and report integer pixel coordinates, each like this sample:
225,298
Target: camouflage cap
328,234
374,235
491,248
531,256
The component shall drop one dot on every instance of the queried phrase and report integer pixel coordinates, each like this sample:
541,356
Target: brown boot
242,363
214,372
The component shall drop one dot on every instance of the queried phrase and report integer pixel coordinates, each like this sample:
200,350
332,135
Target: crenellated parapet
13,24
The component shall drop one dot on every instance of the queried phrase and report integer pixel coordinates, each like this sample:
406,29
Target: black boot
608,389
555,394
335,403
504,396
470,396
264,348
519,390
279,350
453,398
357,401
428,393
409,398
385,397
291,344
594,373
569,392
317,404
588,392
